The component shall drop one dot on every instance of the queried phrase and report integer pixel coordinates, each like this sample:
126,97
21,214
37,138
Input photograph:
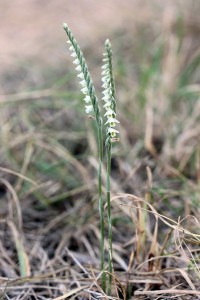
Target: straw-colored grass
49,220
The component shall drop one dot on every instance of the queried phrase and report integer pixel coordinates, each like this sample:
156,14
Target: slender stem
110,106
101,209
110,267
94,100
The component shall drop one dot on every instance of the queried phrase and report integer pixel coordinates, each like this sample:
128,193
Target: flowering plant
92,107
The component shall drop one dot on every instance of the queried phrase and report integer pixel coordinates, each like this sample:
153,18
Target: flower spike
109,92
91,101
91,106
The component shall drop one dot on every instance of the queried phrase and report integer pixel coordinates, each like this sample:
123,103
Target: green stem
101,209
110,267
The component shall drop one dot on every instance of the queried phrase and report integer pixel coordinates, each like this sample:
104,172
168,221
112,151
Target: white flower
84,90
112,132
107,105
107,91
83,83
74,54
78,68
76,61
111,121
105,72
87,99
110,112
106,78
108,97
89,109
106,66
81,75
105,85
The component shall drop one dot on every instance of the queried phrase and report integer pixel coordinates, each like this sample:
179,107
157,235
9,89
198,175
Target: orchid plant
92,107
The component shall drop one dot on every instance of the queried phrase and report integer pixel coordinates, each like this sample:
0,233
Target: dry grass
49,225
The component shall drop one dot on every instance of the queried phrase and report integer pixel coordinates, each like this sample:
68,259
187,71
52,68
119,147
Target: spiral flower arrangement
92,107
109,92
88,90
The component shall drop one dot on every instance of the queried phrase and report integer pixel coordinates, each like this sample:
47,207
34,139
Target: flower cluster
109,92
81,67
84,90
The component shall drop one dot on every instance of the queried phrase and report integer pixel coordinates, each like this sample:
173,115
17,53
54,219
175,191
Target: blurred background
32,36
156,61
48,149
